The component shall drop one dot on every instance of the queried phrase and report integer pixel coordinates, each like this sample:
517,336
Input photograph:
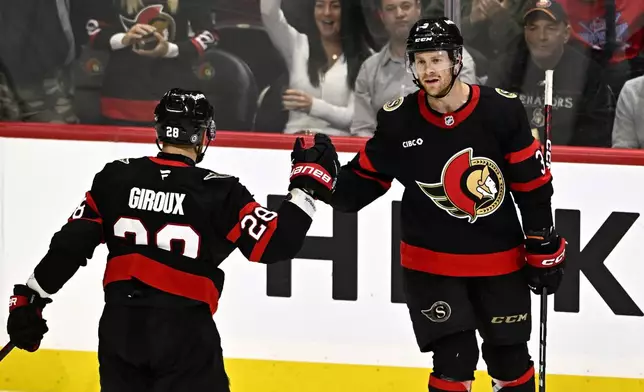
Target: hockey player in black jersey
168,225
465,154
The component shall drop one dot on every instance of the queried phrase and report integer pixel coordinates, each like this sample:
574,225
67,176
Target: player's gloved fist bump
545,260
25,325
315,169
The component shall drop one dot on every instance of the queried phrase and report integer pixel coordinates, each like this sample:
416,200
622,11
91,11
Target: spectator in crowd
37,49
9,109
237,11
589,27
323,64
613,33
385,76
628,128
151,51
580,96
490,28
247,12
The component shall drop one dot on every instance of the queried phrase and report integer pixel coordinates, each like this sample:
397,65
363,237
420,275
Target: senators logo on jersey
470,187
153,15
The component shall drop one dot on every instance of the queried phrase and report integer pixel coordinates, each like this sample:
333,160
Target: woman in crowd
323,63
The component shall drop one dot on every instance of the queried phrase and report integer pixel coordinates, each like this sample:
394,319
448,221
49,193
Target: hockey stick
6,350
548,119
543,319
543,330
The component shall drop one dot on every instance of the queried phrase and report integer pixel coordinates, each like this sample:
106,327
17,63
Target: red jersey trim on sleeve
235,232
523,154
384,184
203,40
162,277
262,239
531,185
260,246
365,163
91,203
197,45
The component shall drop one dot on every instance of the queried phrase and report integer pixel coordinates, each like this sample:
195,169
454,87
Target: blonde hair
133,6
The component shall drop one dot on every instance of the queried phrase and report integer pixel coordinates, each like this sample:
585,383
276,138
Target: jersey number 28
163,238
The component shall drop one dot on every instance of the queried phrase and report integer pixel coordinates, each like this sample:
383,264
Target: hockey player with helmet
463,153
168,225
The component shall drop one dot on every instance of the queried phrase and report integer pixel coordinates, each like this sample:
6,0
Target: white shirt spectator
628,127
333,101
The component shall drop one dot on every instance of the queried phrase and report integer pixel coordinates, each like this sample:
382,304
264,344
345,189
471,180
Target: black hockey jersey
168,225
133,83
460,171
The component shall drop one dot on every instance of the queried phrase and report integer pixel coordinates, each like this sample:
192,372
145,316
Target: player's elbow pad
77,239
69,250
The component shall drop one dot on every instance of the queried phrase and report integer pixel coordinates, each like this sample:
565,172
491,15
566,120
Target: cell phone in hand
147,42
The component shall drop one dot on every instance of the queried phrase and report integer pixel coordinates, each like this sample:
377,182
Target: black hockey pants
152,349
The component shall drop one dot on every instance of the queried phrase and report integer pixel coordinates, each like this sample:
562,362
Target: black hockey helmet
182,117
434,34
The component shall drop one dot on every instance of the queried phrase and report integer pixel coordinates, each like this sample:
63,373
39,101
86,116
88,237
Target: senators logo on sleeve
470,187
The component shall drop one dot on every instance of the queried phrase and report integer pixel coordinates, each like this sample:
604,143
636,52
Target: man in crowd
385,76
581,97
628,128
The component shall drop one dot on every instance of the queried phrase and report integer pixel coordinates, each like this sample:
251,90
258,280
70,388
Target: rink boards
326,330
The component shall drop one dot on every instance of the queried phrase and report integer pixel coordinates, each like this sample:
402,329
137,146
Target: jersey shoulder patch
506,94
211,175
393,105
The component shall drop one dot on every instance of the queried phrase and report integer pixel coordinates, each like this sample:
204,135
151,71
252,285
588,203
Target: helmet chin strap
201,154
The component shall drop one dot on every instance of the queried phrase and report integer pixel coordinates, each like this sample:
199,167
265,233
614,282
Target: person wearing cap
491,28
581,97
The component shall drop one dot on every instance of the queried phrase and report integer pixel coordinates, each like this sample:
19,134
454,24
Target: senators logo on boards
470,187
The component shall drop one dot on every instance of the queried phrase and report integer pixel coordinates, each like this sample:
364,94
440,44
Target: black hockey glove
25,325
315,169
545,260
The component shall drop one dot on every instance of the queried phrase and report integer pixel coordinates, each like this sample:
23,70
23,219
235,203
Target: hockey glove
545,260
315,169
25,325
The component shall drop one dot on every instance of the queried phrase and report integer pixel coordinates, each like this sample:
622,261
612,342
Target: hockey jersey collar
164,158
449,120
